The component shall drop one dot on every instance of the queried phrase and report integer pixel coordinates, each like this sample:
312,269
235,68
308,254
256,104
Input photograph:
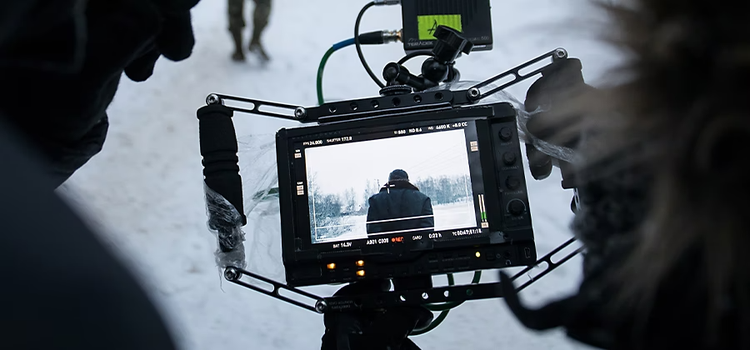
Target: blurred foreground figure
62,288
262,11
663,187
60,65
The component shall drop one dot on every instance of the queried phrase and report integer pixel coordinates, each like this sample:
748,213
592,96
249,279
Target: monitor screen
403,184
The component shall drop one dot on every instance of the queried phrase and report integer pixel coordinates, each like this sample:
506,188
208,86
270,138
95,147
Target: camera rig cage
404,97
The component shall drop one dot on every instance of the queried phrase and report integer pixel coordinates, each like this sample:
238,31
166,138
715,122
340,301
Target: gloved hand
70,36
173,38
373,329
73,53
558,94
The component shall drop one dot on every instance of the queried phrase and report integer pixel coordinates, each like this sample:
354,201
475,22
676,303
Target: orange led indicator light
331,266
478,254
360,263
361,273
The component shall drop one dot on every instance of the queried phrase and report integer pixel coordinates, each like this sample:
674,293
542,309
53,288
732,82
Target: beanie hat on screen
398,175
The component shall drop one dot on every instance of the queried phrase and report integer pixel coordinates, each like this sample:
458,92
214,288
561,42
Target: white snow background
144,191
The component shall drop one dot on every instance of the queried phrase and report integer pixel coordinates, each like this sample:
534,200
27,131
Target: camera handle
411,297
230,188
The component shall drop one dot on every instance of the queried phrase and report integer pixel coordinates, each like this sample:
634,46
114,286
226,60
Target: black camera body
466,159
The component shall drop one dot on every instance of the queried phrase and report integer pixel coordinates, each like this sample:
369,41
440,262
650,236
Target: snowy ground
144,191
447,216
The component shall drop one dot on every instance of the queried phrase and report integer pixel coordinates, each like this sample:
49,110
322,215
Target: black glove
555,93
373,329
174,38
72,54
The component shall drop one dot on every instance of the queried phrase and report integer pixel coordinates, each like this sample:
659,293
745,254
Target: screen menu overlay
412,182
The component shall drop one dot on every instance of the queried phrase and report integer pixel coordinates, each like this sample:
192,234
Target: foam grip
218,145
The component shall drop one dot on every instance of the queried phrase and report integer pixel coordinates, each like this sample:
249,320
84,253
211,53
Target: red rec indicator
398,239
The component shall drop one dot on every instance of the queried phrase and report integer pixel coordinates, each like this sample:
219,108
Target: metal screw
561,53
474,93
213,99
321,306
300,112
231,274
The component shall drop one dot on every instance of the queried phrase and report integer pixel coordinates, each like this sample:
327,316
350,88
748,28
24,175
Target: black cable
413,54
358,44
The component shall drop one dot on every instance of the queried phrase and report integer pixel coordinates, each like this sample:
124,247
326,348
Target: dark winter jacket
61,62
614,202
62,289
399,200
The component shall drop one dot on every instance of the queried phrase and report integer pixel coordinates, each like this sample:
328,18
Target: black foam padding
218,144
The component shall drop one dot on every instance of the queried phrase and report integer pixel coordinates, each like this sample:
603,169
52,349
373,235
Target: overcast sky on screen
350,165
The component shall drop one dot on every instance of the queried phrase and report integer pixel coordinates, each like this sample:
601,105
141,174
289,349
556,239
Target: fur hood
664,216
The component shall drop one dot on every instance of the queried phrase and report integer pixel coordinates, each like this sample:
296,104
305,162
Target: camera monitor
423,193
414,184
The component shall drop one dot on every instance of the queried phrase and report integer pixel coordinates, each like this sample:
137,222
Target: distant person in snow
399,206
262,11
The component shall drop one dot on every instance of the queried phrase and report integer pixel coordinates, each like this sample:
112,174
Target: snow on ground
144,191
447,216
454,215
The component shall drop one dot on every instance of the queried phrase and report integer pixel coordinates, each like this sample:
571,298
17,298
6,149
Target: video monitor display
401,184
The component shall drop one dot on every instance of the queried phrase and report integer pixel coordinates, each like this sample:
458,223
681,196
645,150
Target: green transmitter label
428,24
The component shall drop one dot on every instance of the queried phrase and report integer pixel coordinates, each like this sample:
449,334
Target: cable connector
390,36
379,37
387,2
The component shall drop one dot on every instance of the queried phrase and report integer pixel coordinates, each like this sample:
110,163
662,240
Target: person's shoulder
376,195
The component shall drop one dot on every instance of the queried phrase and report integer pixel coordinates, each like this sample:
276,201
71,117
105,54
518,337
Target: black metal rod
257,104
278,285
552,265
546,258
276,295
516,73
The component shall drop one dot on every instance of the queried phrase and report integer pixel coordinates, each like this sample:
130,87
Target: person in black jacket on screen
399,206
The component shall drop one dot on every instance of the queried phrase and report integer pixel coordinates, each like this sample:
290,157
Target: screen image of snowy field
429,188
